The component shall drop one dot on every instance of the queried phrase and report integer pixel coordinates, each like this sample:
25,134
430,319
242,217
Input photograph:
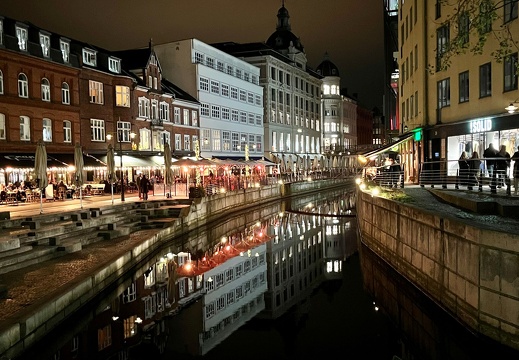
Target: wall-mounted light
511,108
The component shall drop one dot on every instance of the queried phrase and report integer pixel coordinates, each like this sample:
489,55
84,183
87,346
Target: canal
287,280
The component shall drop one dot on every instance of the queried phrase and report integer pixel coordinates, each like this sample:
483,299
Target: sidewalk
23,209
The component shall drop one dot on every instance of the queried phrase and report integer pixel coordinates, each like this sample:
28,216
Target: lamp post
119,141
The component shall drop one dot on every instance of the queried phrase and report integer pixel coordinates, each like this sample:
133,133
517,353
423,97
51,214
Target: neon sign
480,125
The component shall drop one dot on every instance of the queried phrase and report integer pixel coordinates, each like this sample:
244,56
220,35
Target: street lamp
119,141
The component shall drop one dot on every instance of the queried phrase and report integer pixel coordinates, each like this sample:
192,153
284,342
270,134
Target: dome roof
327,68
283,37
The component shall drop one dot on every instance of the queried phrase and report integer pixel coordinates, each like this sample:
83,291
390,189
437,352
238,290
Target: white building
231,110
291,94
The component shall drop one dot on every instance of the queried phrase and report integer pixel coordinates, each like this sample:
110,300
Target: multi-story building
165,113
391,119
231,99
291,92
461,106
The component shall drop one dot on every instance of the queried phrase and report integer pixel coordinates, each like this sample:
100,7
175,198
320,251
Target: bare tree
474,23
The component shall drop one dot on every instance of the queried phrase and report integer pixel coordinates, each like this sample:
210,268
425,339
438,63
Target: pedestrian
502,164
515,158
139,178
490,154
396,172
145,185
474,168
463,165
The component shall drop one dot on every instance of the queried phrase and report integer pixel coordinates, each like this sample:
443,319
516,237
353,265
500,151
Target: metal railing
448,173
389,176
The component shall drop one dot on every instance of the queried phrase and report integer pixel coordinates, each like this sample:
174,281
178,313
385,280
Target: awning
135,161
398,140
26,160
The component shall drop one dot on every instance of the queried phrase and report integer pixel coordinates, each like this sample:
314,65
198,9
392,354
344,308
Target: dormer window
1,31
89,57
65,50
21,35
45,44
114,65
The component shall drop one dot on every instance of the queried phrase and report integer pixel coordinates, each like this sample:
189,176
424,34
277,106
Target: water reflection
194,294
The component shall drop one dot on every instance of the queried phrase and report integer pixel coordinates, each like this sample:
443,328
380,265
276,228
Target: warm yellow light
362,186
362,159
280,182
222,190
223,240
375,191
358,180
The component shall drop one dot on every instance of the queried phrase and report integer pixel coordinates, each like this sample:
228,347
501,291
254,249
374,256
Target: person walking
463,164
502,164
144,187
474,167
139,178
515,158
490,153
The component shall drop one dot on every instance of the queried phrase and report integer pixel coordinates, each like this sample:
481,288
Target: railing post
457,186
480,186
493,181
443,172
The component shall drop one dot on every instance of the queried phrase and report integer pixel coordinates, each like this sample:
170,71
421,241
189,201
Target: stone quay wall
471,272
17,334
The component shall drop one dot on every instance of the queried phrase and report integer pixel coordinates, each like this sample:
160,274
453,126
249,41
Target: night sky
351,31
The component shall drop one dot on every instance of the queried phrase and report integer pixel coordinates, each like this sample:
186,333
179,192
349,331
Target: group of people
497,165
143,186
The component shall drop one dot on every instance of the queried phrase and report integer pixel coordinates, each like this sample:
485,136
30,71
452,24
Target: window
45,44
164,111
463,28
204,84
215,87
104,337
259,142
187,143
485,10
235,141
123,131
177,142
234,115
89,57
45,90
186,117
154,109
215,138
226,141
464,86
209,62
97,129
444,94
176,115
258,100
144,107
1,82
144,139
442,43
230,70
199,58
130,327
65,93
225,90
243,95
47,130
67,131
226,114
96,92
234,93
21,35
438,9
215,112
122,96
485,80
2,126
204,110
114,65
23,86
219,66
510,10
25,128
238,73
65,50
194,118
510,72
1,32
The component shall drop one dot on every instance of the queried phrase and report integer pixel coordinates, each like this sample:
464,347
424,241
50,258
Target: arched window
65,93
23,86
1,82
45,89
47,130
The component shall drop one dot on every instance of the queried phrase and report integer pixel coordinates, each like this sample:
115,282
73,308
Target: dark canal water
319,293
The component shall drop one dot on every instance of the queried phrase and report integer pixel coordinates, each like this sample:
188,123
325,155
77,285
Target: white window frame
114,65
186,116
65,93
216,142
204,84
122,96
194,118
164,111
178,144
65,50
1,81
45,44
67,131
25,128
187,142
89,57
176,115
47,129
23,85
97,130
22,35
215,87
45,89
199,58
144,107
124,129
144,139
154,109
2,127
95,90
204,110
1,32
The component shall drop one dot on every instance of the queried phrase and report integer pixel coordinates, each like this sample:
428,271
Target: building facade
230,96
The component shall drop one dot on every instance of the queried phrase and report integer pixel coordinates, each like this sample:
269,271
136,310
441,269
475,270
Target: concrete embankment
469,269
20,331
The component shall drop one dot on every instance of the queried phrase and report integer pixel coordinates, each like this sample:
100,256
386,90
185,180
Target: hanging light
511,108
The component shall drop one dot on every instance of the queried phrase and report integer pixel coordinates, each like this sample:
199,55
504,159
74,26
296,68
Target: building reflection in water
183,302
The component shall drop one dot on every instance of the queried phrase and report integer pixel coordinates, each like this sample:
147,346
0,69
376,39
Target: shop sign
480,125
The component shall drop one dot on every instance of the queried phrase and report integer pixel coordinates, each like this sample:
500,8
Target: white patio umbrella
40,170
110,169
79,164
168,178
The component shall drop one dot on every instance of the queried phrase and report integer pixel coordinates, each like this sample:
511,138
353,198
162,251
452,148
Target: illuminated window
21,35
104,337
96,92
45,44
25,128
65,50
65,93
2,127
90,57
47,130
23,86
67,131
45,89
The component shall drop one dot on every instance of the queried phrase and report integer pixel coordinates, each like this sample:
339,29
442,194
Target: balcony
157,124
